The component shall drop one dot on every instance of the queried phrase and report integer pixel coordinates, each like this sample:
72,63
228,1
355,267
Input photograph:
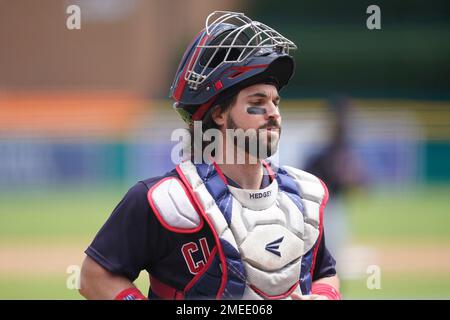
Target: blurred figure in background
341,170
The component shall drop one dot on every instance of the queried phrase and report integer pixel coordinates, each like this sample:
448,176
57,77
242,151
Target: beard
261,144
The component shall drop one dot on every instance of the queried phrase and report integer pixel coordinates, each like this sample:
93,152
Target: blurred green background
84,115
60,224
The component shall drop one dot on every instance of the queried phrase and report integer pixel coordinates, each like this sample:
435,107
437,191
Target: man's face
256,108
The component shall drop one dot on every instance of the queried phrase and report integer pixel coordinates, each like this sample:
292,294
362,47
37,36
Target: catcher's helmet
231,53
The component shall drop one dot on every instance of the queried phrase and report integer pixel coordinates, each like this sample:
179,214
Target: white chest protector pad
267,227
272,236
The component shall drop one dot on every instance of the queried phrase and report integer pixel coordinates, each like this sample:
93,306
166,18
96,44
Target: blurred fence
122,139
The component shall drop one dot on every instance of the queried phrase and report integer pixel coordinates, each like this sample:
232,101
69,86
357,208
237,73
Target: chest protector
266,240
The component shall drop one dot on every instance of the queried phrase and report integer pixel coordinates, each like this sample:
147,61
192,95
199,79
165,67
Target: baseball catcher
227,224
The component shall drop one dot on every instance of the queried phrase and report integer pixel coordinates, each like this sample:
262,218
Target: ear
218,116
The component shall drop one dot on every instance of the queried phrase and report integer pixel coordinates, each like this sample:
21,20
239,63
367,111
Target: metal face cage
260,39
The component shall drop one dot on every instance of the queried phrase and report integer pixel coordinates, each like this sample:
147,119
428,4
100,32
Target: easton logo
259,195
274,246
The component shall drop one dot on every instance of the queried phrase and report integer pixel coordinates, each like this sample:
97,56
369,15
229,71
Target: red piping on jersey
216,236
201,272
280,296
219,171
158,214
322,207
269,170
224,179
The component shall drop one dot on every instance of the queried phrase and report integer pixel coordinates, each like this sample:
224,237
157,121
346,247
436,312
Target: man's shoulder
299,174
150,182
310,185
140,189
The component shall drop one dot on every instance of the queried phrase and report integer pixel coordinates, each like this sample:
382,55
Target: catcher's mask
231,53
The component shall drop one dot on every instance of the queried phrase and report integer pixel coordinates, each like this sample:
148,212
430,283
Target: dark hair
209,123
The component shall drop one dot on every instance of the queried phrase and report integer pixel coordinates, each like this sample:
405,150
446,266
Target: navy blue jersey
132,240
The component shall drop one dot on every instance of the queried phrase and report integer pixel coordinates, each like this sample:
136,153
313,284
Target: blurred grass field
44,231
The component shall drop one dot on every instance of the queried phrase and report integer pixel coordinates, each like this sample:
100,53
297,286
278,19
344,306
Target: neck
248,173
248,176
